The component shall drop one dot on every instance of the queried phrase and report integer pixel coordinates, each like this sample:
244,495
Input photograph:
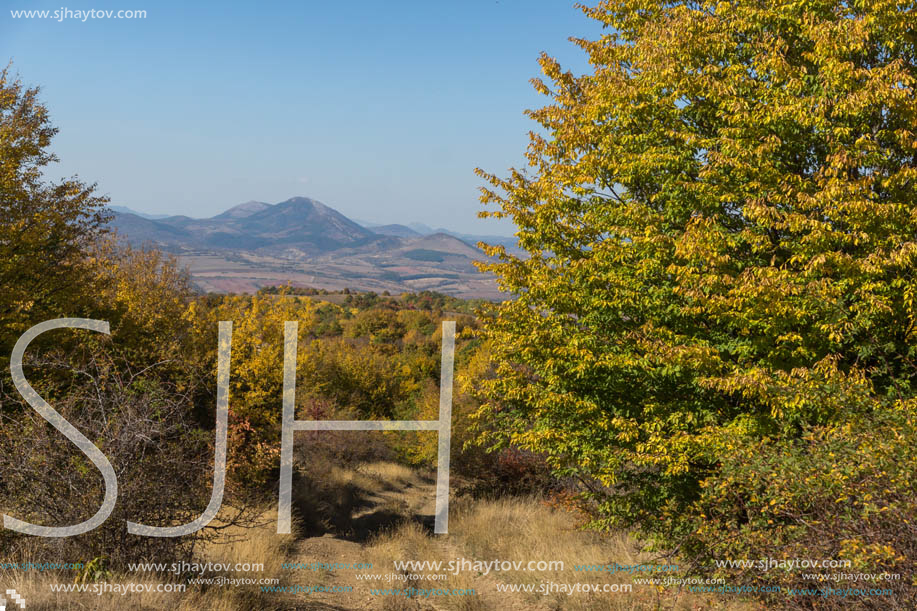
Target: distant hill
443,242
125,210
307,243
399,231
510,242
243,210
299,223
419,229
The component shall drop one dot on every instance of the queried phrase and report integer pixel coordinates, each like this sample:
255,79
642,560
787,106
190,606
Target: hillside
304,242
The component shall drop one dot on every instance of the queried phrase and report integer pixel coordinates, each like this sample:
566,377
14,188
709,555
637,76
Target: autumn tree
45,227
138,393
720,229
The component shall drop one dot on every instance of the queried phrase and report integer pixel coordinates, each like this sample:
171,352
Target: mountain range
304,242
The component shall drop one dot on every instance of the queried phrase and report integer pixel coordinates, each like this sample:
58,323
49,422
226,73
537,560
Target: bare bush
143,424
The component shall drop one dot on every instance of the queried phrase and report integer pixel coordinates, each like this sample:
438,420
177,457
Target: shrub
843,492
162,459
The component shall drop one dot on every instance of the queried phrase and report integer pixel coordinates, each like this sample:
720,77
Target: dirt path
381,513
386,496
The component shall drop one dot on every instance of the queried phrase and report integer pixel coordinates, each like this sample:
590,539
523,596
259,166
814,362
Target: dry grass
389,471
522,530
412,542
513,529
259,544
36,591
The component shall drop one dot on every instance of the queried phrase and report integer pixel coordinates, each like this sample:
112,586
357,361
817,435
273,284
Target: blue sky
379,109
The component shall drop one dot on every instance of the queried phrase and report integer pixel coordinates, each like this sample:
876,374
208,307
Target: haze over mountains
306,243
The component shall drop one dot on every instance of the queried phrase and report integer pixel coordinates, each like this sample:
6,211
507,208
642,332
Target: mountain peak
302,201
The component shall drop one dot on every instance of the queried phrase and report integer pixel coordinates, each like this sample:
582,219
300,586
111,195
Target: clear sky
381,109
